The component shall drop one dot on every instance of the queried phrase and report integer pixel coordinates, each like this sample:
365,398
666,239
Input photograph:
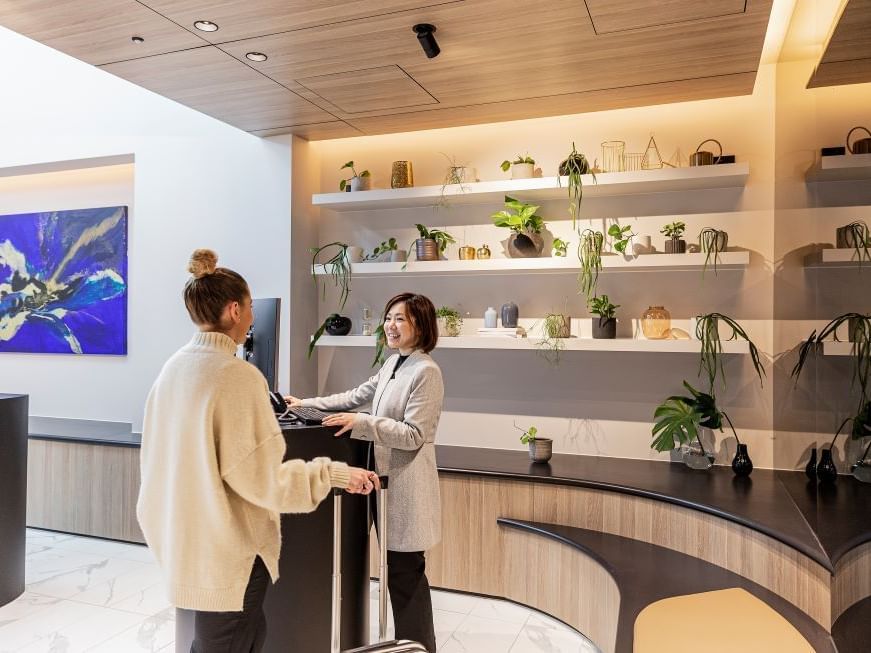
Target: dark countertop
645,573
822,523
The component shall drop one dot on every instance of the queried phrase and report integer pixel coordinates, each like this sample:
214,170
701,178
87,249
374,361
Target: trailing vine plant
590,256
339,268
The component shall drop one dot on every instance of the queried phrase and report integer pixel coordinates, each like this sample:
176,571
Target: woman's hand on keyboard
345,420
292,401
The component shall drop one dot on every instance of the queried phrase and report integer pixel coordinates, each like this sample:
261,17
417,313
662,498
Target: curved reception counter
13,492
595,542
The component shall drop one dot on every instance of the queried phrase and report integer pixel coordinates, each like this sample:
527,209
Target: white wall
603,403
196,182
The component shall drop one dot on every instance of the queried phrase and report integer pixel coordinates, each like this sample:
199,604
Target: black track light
424,33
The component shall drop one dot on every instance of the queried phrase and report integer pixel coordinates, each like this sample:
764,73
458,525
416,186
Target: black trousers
409,592
235,632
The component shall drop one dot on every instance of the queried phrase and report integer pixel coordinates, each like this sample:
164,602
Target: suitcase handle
336,615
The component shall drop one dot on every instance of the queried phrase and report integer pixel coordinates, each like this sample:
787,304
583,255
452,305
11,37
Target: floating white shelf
847,167
832,348
545,265
570,344
843,258
665,180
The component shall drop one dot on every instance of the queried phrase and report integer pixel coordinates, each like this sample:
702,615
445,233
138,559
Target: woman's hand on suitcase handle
362,481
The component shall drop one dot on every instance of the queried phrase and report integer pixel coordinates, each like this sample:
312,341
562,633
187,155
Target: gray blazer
403,423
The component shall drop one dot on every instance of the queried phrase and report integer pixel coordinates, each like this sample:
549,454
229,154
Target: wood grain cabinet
89,489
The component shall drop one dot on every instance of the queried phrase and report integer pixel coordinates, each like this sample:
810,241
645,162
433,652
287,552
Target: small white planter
359,183
522,170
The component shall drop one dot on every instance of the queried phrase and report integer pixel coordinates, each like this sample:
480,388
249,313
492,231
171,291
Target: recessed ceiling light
256,56
137,39
206,26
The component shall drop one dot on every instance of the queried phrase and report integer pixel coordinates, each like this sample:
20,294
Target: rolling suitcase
392,646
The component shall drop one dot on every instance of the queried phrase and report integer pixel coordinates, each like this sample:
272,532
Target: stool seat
722,621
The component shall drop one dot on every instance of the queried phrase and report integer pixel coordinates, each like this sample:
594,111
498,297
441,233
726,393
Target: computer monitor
261,346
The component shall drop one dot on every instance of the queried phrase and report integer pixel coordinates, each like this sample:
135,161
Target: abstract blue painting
63,282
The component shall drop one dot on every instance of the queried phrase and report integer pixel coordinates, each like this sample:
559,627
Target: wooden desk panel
83,488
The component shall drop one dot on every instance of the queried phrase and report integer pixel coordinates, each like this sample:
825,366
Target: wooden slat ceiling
847,58
353,67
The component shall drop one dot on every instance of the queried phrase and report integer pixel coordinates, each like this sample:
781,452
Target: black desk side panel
13,494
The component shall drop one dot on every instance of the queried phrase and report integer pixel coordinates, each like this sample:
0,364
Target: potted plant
859,333
450,322
383,252
712,242
675,244
540,449
679,423
555,329
855,236
526,225
355,181
679,419
337,325
605,326
621,236
560,247
523,167
590,256
574,166
432,243
338,267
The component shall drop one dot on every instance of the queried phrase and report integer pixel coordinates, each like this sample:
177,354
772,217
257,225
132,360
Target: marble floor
85,594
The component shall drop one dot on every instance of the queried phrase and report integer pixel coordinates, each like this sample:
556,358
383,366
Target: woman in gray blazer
405,399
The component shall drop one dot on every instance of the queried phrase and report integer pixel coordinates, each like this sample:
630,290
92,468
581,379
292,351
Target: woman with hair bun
213,480
406,398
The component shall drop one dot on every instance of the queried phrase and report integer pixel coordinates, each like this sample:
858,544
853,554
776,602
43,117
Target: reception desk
556,537
13,489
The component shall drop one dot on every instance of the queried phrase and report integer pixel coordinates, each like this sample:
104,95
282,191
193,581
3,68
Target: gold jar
467,253
483,252
656,323
401,175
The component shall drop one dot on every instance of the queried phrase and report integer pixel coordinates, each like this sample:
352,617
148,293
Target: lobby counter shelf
546,265
569,344
537,189
846,167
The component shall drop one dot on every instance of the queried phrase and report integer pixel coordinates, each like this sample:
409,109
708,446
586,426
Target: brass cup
467,253
483,252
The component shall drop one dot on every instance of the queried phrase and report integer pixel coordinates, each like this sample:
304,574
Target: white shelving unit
665,180
838,258
570,344
832,348
545,265
847,167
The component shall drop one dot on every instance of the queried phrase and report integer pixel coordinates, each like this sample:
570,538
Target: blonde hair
211,288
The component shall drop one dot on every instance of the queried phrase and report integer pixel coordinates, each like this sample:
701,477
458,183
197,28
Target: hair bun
203,262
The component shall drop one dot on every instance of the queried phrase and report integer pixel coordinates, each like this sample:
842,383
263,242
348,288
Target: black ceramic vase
811,469
826,470
338,325
741,463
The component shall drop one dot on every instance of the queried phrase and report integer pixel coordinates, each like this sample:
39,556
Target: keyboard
310,416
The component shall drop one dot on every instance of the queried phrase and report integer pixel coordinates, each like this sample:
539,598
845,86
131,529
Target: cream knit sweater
213,480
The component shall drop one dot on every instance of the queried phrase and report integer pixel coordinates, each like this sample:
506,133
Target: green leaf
505,165
316,337
677,422
349,164
342,184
